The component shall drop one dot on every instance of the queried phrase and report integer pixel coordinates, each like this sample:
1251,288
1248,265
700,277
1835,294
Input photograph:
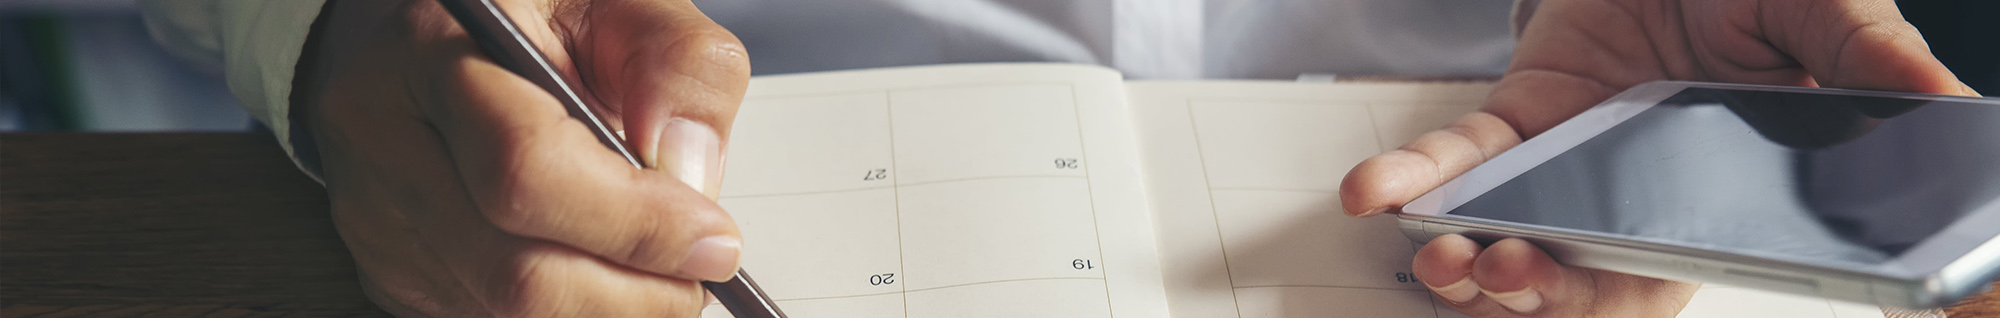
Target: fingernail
1373,211
1459,292
1521,301
692,152
1969,90
712,259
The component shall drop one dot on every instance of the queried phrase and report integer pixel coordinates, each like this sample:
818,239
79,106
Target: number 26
1067,163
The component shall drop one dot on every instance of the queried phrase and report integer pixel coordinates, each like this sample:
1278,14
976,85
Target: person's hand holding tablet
1576,53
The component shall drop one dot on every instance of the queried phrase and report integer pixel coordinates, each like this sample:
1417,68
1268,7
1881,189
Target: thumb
1857,44
676,79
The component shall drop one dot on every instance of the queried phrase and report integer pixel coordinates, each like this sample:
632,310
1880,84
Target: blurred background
89,65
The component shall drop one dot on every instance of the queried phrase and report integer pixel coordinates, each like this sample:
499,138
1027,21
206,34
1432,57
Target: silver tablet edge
1696,265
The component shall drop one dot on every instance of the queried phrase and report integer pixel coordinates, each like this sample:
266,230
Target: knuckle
705,63
1437,143
709,45
648,250
422,23
440,84
515,201
446,77
1468,138
711,42
529,287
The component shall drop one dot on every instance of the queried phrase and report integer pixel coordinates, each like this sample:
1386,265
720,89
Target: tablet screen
1860,179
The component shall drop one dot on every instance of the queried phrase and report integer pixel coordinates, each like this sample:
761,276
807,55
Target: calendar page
997,190
1052,190
1244,180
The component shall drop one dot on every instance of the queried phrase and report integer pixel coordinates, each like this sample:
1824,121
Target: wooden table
193,225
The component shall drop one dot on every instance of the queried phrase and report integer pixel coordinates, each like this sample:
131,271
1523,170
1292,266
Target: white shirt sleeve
256,43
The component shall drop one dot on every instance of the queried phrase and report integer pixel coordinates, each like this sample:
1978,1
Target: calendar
1044,190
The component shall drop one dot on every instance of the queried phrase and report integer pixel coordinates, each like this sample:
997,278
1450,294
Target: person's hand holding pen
1576,53
463,189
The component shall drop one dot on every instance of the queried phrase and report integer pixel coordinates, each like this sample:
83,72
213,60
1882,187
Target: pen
500,39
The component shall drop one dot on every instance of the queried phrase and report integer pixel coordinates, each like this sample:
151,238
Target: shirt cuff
261,42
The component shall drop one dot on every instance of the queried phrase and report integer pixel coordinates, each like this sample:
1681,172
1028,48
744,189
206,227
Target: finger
399,271
1575,54
536,172
507,275
1533,101
522,277
1858,44
1519,278
1391,179
1445,266
540,279
675,78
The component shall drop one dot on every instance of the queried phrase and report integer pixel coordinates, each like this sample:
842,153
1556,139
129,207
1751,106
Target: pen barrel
743,297
503,41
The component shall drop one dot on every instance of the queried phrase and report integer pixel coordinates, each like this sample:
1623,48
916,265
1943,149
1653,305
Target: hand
464,190
1574,54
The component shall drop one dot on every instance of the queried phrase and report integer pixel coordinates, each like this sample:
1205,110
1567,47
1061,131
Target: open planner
1043,190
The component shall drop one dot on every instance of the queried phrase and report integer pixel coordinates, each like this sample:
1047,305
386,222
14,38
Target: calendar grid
1321,286
1005,281
1234,299
902,263
897,183
1084,154
1215,210
939,185
842,296
761,195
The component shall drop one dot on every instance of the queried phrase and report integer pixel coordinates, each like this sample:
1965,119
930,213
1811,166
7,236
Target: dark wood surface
166,225
194,225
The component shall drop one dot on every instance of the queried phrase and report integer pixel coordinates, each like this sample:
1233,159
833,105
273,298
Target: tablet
1875,197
